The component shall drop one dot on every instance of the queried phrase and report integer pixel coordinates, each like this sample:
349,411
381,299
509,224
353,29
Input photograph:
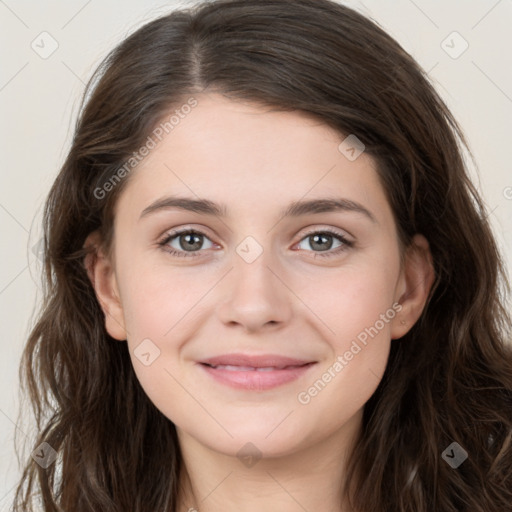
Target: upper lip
255,361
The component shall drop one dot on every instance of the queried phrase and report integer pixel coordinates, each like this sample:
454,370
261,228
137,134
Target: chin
257,437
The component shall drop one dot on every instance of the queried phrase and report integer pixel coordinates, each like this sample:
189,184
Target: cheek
355,299
357,307
161,308
156,299
153,310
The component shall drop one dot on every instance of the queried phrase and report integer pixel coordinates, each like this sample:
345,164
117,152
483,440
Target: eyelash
346,244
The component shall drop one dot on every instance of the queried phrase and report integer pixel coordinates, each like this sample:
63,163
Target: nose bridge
255,295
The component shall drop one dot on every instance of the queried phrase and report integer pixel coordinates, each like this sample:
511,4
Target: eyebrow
294,209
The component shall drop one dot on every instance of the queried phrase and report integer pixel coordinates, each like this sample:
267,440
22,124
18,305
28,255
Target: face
253,323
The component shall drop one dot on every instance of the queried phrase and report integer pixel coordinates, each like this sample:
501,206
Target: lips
256,373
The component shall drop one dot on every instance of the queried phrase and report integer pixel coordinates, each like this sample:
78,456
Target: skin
289,301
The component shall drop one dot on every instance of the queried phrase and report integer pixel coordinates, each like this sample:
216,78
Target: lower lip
255,380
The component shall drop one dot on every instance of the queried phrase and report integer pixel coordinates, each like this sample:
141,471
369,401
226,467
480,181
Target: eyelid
202,230
328,229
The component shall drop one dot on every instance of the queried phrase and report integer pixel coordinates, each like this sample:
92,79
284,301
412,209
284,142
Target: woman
194,351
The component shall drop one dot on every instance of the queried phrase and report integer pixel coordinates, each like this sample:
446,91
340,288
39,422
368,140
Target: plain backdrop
40,94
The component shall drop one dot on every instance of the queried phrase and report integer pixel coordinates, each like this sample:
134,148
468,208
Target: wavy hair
449,379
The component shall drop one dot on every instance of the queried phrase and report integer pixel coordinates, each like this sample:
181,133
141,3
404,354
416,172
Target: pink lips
255,372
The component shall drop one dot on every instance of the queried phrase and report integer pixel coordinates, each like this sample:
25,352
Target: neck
308,479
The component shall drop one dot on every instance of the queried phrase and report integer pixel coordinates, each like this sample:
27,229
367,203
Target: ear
103,279
414,285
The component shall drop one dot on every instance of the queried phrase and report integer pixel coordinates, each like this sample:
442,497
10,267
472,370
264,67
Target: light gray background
39,99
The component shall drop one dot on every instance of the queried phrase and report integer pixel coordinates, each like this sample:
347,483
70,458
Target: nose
256,295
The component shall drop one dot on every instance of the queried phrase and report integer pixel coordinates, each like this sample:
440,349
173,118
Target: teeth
244,368
234,368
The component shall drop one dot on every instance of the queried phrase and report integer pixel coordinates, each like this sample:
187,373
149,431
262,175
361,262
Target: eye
184,243
189,243
323,240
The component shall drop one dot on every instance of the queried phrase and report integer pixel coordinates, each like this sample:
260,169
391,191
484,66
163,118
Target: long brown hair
448,380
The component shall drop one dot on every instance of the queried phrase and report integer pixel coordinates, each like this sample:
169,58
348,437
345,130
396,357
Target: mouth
233,368
255,373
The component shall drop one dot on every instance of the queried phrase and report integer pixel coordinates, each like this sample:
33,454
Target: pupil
319,245
189,240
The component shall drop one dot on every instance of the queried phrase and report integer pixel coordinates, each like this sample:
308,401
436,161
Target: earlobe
415,284
103,279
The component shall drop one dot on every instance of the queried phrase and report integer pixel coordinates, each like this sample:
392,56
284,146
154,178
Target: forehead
246,155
